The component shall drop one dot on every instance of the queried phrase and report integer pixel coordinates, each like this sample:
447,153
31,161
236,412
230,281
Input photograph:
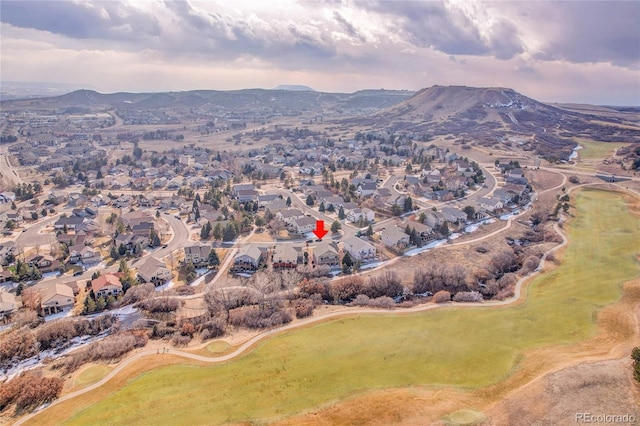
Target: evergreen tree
369,231
113,253
190,272
101,303
218,231
205,231
310,200
341,214
89,305
347,263
154,238
408,204
213,259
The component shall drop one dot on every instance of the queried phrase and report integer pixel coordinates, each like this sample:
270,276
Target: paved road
7,169
33,237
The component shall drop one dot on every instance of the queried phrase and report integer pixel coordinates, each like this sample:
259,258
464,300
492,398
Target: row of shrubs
21,343
29,390
110,348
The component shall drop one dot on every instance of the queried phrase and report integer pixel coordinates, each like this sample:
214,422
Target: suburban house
197,254
303,225
425,232
286,256
8,304
136,217
245,192
15,217
143,229
503,195
106,285
394,237
287,216
277,205
71,222
264,200
490,204
433,219
155,271
357,214
382,193
246,195
248,259
84,254
327,254
130,241
453,215
56,298
366,189
43,262
359,249
332,200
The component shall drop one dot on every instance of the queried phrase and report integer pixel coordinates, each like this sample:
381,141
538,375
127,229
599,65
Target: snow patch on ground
574,153
474,227
371,265
431,245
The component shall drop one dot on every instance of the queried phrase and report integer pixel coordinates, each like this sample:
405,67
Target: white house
354,215
490,204
359,249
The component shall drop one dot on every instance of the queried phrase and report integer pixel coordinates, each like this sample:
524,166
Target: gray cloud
348,27
590,32
96,20
448,29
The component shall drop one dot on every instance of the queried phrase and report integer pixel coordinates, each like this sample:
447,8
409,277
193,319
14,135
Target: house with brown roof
106,285
44,263
155,271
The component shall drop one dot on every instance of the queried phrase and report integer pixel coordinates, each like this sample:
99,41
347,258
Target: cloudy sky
568,51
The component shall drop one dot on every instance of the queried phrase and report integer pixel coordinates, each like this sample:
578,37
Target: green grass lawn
218,347
465,348
596,150
92,374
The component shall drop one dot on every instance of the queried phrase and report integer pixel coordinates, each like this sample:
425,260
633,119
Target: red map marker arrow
319,231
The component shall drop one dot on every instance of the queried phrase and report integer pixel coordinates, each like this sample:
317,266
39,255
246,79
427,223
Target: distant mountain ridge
495,114
484,116
250,99
294,88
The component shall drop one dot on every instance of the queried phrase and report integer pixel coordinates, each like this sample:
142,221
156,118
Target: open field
465,348
597,150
